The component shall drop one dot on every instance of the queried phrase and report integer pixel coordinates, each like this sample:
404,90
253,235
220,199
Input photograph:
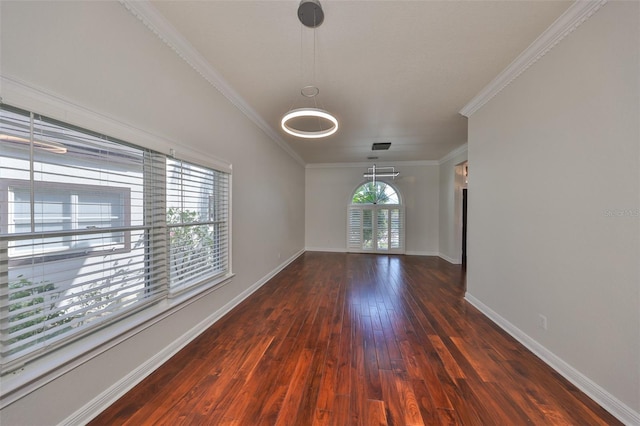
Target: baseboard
421,253
327,249
609,402
118,389
409,253
450,259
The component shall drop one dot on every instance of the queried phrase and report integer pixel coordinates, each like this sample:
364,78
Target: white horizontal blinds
198,223
75,232
156,244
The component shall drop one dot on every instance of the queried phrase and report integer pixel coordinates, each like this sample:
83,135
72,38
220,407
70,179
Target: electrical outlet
542,322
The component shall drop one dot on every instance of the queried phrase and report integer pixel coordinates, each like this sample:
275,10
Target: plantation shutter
396,229
354,228
375,228
78,224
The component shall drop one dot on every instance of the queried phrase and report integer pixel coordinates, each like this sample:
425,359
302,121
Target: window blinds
197,217
87,231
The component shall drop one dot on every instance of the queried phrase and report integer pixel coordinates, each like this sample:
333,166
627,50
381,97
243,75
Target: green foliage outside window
191,243
34,310
31,306
375,193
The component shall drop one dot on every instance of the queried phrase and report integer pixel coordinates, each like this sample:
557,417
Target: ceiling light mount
310,13
309,91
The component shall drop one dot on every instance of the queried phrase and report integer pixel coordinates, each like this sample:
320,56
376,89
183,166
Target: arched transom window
375,193
375,219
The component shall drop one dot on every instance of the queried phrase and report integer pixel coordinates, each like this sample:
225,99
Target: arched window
375,193
375,219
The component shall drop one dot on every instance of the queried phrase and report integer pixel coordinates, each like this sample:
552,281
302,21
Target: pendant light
311,122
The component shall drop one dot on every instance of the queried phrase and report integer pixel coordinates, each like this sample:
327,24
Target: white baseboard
609,402
450,259
421,253
118,389
328,249
408,253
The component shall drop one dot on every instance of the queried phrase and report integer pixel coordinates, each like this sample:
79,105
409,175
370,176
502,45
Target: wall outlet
542,322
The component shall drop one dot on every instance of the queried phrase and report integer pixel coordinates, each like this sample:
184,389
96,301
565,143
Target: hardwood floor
356,339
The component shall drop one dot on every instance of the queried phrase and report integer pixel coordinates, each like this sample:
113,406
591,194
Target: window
375,193
375,220
93,229
197,218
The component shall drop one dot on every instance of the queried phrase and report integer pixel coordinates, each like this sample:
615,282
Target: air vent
380,146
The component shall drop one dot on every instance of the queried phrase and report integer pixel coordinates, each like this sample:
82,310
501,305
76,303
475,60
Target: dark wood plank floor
356,339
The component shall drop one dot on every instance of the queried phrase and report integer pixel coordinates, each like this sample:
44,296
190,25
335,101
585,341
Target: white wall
98,56
328,193
451,185
554,199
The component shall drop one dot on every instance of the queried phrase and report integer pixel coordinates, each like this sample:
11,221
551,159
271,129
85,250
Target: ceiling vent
380,146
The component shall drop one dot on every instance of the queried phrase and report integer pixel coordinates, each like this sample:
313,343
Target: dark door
464,227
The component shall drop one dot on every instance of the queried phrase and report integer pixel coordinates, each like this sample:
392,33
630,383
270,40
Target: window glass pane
382,229
52,212
378,193
367,238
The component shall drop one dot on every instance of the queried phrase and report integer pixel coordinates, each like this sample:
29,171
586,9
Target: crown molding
572,18
146,13
367,164
453,154
449,156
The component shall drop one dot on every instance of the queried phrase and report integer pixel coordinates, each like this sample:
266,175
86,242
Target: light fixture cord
315,100
301,55
314,48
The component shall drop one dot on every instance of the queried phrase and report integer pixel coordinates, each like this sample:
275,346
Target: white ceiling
391,71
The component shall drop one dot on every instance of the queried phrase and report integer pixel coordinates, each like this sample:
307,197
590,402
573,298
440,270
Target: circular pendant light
313,122
306,113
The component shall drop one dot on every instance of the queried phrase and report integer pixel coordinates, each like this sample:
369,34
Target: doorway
464,228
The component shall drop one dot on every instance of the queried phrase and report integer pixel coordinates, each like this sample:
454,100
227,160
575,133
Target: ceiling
390,71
